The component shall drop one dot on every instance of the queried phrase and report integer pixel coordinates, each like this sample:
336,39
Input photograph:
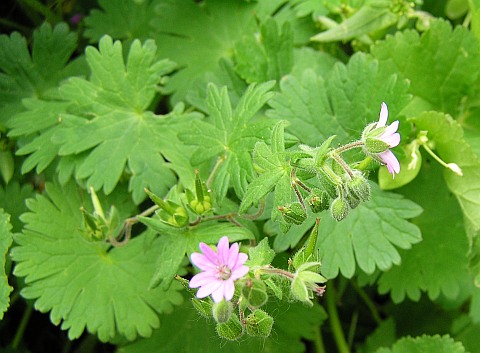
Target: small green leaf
425,344
5,242
260,255
369,18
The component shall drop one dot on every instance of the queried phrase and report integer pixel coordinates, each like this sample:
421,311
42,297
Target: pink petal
208,289
219,293
233,256
229,289
202,279
209,253
201,261
240,260
392,140
239,273
383,115
223,250
391,161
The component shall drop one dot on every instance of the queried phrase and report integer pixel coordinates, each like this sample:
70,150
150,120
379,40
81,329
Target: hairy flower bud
339,208
359,187
293,213
259,324
318,200
222,311
230,330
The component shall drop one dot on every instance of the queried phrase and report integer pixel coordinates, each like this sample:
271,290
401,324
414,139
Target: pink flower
379,138
390,136
219,270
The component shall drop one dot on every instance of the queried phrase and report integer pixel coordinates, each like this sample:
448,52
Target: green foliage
315,106
202,337
5,242
87,285
441,64
371,244
425,344
34,75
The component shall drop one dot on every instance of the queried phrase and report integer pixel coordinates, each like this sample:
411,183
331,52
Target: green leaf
267,57
197,36
409,169
373,16
202,338
87,285
452,148
229,135
425,344
339,103
12,200
260,255
5,242
371,244
275,174
35,75
436,272
441,64
111,122
121,19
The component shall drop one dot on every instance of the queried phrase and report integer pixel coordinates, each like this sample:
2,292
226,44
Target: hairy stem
335,324
209,181
342,164
348,146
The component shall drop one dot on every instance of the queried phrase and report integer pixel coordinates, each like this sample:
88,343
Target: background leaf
87,285
5,242
425,344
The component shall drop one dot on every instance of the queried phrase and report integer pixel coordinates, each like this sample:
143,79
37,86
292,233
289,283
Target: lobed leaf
87,285
425,344
5,242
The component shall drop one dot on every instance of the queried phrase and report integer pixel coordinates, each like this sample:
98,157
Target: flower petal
391,161
241,259
209,253
233,256
229,289
239,272
201,261
383,115
208,289
219,293
223,250
202,279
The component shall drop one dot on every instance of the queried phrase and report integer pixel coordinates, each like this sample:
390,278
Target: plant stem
368,302
335,322
209,181
342,164
22,326
348,146
318,342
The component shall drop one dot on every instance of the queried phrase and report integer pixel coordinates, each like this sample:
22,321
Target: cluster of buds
322,179
178,210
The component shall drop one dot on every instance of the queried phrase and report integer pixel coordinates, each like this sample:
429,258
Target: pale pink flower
384,135
219,270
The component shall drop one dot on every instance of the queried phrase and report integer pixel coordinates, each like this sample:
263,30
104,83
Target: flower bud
230,330
203,307
327,183
293,213
222,311
359,188
318,200
255,292
375,146
259,324
339,209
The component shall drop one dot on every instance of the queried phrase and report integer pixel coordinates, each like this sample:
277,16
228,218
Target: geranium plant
208,176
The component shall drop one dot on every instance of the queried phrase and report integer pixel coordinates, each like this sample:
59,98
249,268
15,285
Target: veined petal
229,289
219,293
202,262
209,253
382,121
240,260
223,250
239,272
233,256
208,289
391,161
202,279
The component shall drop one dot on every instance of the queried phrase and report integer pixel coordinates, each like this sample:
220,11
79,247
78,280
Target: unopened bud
259,324
230,330
222,311
293,213
255,292
318,200
339,209
359,188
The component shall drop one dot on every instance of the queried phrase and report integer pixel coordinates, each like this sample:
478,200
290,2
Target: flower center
223,272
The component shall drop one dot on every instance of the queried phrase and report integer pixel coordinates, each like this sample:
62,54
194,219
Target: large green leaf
441,64
341,103
84,284
444,245
369,235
